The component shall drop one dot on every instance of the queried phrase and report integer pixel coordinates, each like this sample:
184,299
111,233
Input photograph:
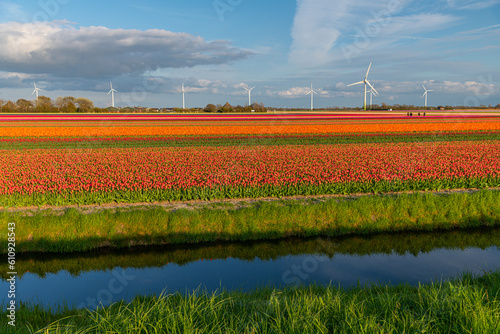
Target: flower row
136,169
110,130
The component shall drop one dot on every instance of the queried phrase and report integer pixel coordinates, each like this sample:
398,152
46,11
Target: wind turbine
312,92
183,96
112,92
425,94
371,97
36,91
366,82
249,94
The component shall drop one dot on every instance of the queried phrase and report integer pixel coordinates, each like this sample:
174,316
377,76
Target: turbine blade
366,76
424,87
424,94
356,83
369,84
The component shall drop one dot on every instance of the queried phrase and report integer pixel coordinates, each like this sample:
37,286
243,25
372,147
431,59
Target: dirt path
231,204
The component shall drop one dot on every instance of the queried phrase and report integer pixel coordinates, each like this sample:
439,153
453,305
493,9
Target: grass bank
469,304
74,230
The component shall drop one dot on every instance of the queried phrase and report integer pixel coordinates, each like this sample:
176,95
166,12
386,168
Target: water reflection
87,279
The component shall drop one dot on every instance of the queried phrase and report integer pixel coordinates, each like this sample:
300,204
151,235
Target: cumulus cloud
296,92
12,80
61,49
203,86
483,87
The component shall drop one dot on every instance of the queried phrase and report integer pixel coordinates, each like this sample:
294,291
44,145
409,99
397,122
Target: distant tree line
385,106
227,108
71,104
45,104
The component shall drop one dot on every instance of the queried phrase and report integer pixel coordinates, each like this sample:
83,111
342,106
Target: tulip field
87,159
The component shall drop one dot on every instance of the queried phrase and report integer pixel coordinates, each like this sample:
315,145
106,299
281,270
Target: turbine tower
366,82
112,92
371,97
36,91
425,94
312,92
249,94
183,96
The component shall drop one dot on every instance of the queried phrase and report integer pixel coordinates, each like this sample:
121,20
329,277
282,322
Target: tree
9,107
24,105
66,104
210,108
259,107
43,104
84,105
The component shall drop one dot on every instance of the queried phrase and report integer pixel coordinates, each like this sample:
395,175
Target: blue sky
217,47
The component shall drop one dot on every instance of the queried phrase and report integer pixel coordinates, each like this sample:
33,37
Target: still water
104,277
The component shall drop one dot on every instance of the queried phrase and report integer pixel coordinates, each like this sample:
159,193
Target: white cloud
325,31
314,33
468,87
63,50
296,92
485,87
472,5
203,86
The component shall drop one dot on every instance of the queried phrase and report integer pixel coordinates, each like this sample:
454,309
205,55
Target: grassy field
73,230
468,304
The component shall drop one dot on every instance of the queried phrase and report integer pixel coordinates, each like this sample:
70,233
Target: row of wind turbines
112,92
372,90
183,91
365,81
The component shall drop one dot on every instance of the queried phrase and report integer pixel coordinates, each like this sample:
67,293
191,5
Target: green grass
469,304
45,231
7,143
